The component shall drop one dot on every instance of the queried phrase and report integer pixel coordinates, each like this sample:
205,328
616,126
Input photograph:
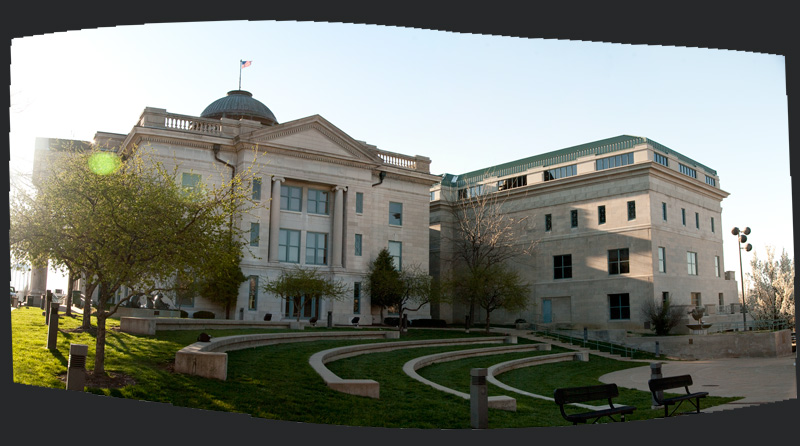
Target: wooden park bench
591,393
658,385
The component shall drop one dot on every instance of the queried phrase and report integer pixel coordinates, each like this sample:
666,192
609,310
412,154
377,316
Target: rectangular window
721,300
691,262
664,211
712,224
317,202
360,202
683,216
291,198
396,251
662,259
254,230
601,215
357,245
573,218
289,246
562,266
560,172
631,210
618,261
664,297
395,213
511,183
252,296
357,298
711,181
686,170
316,248
619,306
190,181
696,300
614,161
256,188
697,220
716,265
661,159
548,222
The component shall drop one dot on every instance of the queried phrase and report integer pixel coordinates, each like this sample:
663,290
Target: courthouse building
617,222
328,201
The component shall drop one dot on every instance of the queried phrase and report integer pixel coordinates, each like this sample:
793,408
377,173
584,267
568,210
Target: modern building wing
616,223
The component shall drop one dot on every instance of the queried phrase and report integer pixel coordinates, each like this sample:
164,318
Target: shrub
203,315
662,317
391,321
184,314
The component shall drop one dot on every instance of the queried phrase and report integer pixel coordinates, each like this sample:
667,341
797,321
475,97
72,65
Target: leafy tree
486,232
495,287
294,284
663,317
123,222
383,282
771,296
417,289
224,275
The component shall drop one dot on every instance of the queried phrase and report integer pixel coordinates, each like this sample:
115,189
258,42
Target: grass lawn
276,382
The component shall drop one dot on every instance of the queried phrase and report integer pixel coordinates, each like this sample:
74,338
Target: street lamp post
742,238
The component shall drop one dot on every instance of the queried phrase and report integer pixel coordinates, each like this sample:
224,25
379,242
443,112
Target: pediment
314,135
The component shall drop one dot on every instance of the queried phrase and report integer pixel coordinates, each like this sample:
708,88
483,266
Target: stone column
338,218
38,280
275,219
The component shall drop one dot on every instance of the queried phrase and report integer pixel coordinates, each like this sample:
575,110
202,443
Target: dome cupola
239,104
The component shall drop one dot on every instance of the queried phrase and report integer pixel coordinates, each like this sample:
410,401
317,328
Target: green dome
239,104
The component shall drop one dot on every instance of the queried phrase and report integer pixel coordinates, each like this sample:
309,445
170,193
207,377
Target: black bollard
52,326
478,399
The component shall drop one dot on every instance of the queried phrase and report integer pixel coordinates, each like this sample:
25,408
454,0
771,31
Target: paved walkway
758,380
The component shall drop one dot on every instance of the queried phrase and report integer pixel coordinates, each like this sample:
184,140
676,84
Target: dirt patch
110,380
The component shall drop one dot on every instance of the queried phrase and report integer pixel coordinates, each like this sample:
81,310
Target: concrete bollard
655,373
478,399
52,326
76,368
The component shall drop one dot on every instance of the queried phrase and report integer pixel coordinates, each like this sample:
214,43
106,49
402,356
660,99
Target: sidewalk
758,380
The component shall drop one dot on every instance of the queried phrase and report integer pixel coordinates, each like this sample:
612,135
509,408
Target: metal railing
602,346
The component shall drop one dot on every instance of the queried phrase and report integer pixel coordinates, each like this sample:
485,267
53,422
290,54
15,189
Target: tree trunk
100,340
68,300
87,307
487,320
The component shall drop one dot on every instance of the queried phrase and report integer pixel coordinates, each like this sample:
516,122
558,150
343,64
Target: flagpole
240,74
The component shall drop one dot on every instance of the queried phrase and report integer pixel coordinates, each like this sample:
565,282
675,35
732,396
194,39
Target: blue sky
464,100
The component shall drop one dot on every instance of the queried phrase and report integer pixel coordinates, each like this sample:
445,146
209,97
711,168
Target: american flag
246,63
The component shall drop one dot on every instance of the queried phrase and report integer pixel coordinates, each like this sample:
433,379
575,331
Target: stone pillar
275,219
338,219
38,280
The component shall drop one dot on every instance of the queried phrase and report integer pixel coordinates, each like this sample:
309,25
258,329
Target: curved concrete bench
149,325
368,387
493,371
496,402
209,360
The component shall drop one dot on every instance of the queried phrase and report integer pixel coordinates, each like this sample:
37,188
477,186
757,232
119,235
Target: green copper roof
601,147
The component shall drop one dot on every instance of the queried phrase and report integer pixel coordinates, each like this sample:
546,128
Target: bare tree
663,317
487,231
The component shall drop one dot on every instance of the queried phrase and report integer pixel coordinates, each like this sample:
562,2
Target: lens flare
104,163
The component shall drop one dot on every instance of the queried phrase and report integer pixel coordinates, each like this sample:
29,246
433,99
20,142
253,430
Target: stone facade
634,197
308,156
